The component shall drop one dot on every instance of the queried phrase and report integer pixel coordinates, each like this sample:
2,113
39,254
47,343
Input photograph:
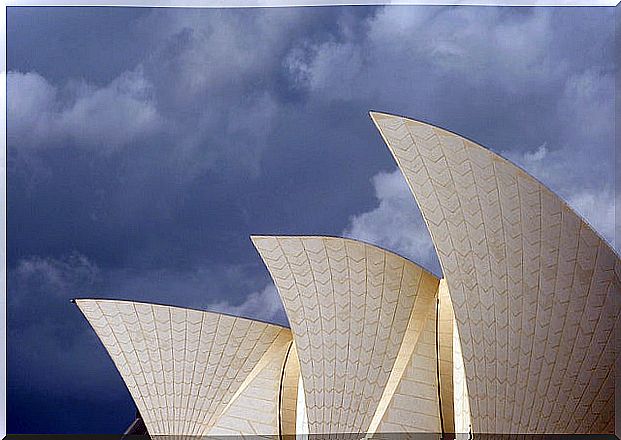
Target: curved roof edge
193,309
352,240
374,113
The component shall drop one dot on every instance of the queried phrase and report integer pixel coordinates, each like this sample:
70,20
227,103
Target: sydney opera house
519,336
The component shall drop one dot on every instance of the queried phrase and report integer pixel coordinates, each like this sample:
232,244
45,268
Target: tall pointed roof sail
535,290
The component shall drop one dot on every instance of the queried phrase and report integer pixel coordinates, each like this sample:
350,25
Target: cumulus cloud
220,81
433,46
208,56
100,118
396,223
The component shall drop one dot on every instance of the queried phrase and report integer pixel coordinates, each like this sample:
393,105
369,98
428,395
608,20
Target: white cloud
204,85
537,155
100,118
478,44
396,224
217,51
401,47
31,104
112,116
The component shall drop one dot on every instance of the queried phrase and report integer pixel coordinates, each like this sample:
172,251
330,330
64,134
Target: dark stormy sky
146,145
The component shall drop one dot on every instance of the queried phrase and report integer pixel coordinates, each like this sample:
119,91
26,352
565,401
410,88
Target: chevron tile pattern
349,305
189,371
535,290
414,405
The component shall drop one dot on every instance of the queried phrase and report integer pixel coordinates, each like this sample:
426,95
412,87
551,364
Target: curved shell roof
535,290
517,338
356,312
191,372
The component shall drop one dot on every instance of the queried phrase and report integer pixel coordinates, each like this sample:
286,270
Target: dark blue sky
146,145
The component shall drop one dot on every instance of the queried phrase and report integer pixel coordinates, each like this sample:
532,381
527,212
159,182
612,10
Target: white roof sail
189,371
535,290
350,306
